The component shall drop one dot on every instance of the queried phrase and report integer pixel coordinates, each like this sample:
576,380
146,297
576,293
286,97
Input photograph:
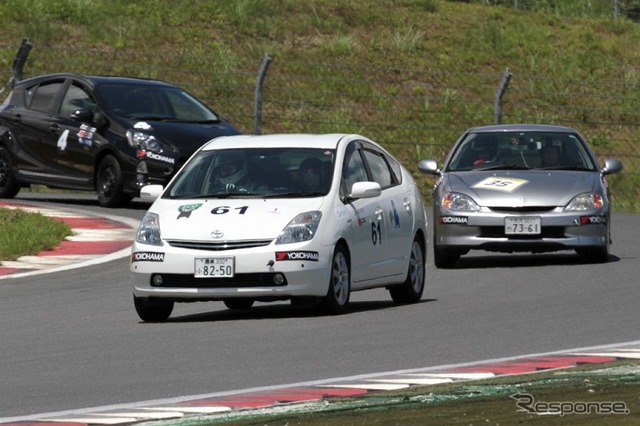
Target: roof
95,79
522,127
327,141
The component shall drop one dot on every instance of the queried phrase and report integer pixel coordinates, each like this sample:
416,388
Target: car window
186,108
527,150
150,101
41,97
354,169
380,171
76,98
269,172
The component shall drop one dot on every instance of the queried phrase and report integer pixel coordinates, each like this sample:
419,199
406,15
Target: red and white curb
307,394
95,239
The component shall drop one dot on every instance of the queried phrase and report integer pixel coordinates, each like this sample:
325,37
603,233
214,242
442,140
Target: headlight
586,201
459,202
143,141
302,228
149,230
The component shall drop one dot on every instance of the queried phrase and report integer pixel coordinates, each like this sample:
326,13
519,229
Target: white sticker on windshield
500,184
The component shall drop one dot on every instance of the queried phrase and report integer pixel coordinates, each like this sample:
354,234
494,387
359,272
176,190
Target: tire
337,297
411,290
442,260
109,183
597,254
238,304
153,310
8,184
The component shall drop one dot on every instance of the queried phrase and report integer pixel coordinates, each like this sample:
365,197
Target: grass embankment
23,233
592,395
410,74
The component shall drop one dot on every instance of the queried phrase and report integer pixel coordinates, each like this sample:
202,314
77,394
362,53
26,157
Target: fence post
504,83
20,60
259,86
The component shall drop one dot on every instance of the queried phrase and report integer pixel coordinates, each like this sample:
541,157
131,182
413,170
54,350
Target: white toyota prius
305,218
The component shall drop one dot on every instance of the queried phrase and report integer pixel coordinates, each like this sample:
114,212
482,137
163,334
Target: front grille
219,245
498,232
522,209
238,280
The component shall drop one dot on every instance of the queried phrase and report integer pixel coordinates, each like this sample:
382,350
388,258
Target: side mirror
151,192
611,166
82,115
429,167
365,190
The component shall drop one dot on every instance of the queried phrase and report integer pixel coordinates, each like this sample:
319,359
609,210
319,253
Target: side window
76,98
379,169
40,98
396,170
354,169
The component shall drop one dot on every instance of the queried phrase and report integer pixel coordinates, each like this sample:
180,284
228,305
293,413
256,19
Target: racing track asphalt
103,238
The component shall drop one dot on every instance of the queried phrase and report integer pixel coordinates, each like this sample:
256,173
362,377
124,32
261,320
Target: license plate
218,267
525,225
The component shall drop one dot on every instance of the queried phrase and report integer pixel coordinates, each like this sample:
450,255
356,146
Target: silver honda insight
520,188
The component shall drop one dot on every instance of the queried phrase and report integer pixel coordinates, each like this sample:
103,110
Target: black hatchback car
112,135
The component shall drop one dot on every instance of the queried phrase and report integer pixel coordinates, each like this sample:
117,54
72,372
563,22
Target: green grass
23,233
468,403
410,74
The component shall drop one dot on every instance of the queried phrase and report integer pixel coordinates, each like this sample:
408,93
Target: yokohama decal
593,220
147,256
459,220
297,255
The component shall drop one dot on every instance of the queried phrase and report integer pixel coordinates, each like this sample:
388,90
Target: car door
77,142
31,127
367,231
396,203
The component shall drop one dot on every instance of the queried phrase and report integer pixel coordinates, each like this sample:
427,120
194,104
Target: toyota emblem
217,234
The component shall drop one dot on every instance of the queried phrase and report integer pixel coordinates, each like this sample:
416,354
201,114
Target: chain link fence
415,113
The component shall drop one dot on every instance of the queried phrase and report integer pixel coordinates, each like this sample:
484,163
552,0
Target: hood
522,188
235,219
184,138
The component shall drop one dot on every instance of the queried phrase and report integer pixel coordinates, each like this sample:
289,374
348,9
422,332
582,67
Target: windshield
151,102
521,150
255,172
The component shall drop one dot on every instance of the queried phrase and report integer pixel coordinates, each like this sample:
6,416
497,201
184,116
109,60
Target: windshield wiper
297,194
573,168
503,167
152,117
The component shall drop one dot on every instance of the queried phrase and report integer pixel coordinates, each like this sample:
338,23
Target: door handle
54,129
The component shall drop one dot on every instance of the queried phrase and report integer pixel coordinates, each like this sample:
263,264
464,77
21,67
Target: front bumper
486,231
255,270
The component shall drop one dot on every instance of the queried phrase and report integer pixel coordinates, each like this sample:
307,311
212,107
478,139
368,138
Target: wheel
8,184
411,290
598,254
337,297
238,304
442,260
109,183
153,310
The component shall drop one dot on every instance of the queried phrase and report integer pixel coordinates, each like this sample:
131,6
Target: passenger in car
550,156
310,174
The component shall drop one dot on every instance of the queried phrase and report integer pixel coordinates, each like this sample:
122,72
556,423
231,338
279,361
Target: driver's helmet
230,166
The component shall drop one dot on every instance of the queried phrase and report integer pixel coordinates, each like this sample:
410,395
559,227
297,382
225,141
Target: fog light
278,279
157,280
